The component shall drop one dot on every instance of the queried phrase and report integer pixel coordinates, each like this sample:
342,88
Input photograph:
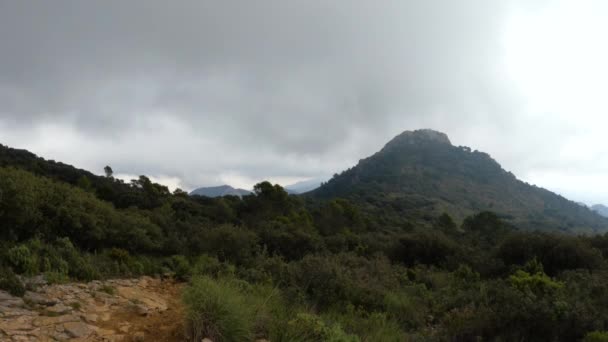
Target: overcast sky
204,92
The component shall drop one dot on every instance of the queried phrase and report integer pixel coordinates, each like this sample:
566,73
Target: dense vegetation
292,268
421,174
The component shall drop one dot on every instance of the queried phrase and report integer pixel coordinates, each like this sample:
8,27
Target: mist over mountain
304,186
600,209
219,191
421,172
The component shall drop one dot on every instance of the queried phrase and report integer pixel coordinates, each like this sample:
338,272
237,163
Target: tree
85,183
108,171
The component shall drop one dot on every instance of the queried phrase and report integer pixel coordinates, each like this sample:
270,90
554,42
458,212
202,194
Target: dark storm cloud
205,90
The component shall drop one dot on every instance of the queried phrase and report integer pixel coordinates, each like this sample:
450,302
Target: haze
196,93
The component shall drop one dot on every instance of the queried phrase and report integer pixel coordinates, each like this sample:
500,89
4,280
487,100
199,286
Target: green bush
377,326
217,309
181,267
596,336
22,260
311,328
10,283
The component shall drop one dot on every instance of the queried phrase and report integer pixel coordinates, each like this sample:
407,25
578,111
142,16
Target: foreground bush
10,283
596,336
218,310
309,328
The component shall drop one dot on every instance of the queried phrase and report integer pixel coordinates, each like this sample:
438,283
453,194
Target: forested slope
292,268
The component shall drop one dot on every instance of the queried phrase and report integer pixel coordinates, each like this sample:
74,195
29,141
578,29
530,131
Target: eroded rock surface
82,312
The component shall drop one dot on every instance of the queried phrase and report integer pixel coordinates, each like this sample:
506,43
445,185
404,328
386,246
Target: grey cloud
194,89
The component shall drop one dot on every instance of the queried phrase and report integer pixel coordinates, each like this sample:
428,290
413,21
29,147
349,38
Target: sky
200,92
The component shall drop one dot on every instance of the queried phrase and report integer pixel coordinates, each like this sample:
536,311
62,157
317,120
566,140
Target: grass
217,309
108,289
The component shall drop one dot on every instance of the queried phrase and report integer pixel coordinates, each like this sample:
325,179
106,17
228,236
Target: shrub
10,283
108,289
217,309
206,265
407,308
180,265
309,328
369,327
22,260
233,244
596,336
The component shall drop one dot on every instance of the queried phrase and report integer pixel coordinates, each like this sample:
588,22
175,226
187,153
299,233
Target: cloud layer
207,92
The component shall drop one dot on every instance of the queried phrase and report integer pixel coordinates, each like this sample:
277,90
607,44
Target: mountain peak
219,191
417,137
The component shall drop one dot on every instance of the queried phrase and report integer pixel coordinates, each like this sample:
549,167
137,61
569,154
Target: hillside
418,173
120,194
372,267
219,191
600,209
304,186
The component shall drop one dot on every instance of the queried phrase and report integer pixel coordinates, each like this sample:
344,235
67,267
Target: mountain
303,186
219,191
420,173
600,209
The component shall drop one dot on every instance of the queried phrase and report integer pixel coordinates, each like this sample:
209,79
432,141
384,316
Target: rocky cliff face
144,309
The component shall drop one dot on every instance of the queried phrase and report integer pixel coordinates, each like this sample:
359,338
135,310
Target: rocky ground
144,309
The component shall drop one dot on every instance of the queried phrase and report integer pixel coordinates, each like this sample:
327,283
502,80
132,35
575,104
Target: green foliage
229,243
538,284
308,328
342,279
10,283
108,289
375,326
389,263
420,179
181,267
21,259
424,248
596,336
217,309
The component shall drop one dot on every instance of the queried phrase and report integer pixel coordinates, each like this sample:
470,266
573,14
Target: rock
34,282
5,296
39,299
47,321
206,339
139,337
61,336
105,316
77,329
59,309
8,312
144,297
90,318
124,327
14,325
114,338
8,301
141,310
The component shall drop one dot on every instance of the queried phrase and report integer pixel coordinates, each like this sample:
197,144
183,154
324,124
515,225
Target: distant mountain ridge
304,186
600,209
420,173
219,191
